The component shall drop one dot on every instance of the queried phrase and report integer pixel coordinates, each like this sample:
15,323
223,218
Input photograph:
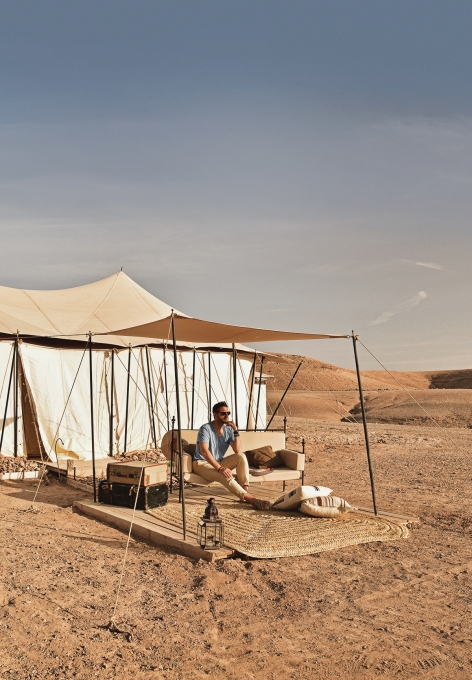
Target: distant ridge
326,392
317,375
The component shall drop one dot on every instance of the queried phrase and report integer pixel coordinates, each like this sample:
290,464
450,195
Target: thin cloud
431,265
408,304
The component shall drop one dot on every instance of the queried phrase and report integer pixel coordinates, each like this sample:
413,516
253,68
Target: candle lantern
210,528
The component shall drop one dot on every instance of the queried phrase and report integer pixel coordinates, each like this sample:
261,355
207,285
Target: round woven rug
275,533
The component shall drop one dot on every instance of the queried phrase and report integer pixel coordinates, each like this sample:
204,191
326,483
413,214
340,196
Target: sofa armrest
293,459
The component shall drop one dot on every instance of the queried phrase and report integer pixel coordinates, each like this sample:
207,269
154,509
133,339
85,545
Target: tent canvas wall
63,411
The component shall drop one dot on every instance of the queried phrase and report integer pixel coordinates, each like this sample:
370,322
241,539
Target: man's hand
226,472
231,424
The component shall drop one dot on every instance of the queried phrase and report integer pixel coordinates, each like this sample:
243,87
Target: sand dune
317,375
326,392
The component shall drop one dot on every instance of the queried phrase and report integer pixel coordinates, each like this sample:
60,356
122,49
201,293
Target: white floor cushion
293,499
325,506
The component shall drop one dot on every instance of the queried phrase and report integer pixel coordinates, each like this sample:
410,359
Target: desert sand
392,610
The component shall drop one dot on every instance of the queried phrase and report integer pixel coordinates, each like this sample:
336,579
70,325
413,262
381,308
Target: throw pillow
263,457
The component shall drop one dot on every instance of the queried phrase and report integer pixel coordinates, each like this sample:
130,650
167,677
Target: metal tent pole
165,387
259,394
91,417
15,400
235,376
172,457
112,387
253,379
127,398
364,421
179,430
209,386
193,386
151,414
8,399
283,395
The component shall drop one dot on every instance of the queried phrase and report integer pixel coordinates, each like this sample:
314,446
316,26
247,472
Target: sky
297,165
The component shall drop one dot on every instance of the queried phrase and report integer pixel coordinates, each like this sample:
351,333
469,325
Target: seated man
213,441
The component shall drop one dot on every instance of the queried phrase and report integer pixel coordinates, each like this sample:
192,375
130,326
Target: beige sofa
293,469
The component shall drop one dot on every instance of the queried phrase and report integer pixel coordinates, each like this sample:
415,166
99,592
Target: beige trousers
237,461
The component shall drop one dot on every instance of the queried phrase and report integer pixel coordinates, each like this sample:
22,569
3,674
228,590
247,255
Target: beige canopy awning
72,313
189,329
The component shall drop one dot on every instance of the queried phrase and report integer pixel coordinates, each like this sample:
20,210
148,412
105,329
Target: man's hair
217,406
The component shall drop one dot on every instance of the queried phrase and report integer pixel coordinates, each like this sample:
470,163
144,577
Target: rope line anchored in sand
412,397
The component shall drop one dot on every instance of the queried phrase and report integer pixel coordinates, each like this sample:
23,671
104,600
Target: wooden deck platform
150,528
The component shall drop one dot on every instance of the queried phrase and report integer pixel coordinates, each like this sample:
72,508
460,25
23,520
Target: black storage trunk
124,495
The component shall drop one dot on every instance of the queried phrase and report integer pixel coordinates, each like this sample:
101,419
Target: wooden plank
149,528
390,515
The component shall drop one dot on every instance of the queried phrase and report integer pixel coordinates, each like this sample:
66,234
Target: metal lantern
210,528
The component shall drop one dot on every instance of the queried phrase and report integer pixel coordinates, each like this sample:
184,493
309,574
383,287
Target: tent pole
15,400
153,423
112,387
91,417
193,387
209,386
127,398
364,422
8,399
235,375
179,430
259,394
283,395
172,457
165,387
253,379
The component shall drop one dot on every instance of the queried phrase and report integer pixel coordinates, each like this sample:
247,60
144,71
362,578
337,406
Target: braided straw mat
275,533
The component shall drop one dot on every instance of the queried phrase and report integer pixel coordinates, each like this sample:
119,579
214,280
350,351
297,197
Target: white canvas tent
48,330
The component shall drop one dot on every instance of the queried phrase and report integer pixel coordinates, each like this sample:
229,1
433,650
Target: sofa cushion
188,448
263,457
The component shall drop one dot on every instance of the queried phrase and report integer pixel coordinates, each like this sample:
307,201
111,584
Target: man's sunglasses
224,413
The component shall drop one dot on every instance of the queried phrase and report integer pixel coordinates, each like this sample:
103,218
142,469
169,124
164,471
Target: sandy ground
392,610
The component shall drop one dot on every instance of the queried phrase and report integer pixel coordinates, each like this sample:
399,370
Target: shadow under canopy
188,329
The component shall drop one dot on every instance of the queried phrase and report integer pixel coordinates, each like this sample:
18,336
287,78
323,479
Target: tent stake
8,399
91,418
283,395
179,431
112,386
253,379
127,398
235,376
15,400
364,421
151,414
259,394
193,387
